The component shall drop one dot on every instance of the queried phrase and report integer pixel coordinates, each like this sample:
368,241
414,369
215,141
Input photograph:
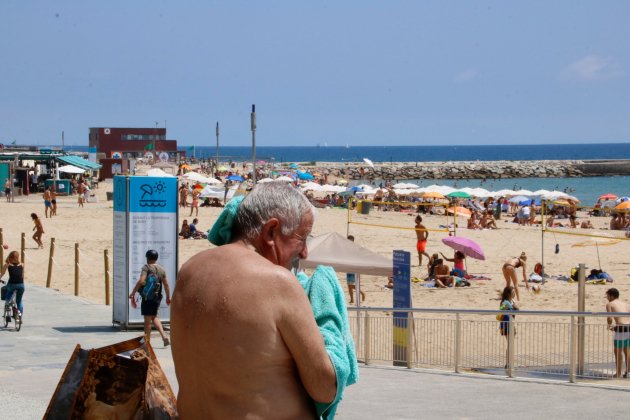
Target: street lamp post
217,163
253,123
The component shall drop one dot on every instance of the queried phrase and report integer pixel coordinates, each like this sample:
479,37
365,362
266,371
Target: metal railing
536,344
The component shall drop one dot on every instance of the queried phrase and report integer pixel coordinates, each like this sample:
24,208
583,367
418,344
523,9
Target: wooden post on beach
50,262
23,247
1,247
106,261
580,319
76,269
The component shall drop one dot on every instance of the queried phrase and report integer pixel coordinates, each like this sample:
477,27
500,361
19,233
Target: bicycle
11,312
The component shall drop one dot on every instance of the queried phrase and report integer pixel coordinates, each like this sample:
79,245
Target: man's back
619,306
230,341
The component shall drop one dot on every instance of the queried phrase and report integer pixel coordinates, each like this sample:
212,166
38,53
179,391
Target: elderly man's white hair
271,200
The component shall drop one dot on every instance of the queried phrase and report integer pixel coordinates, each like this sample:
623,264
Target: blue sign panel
402,299
120,193
152,195
402,280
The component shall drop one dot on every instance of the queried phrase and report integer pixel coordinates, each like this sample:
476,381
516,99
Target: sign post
145,217
402,299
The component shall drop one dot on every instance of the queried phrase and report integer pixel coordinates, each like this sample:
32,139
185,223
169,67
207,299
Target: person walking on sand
7,189
47,202
509,272
195,202
152,280
245,340
80,192
621,339
183,195
39,230
53,201
422,235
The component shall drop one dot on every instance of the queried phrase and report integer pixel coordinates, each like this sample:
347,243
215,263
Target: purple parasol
468,247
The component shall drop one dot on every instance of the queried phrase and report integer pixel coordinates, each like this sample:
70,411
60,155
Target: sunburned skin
245,342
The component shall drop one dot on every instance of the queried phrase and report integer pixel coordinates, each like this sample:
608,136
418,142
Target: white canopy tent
70,169
345,256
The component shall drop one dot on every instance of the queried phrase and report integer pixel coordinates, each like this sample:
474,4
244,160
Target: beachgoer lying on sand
586,225
509,272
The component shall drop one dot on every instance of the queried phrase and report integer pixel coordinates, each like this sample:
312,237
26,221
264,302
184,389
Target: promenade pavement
34,358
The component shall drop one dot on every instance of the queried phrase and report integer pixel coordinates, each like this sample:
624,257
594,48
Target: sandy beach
91,228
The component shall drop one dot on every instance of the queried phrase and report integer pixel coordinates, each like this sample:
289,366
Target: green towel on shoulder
329,307
221,231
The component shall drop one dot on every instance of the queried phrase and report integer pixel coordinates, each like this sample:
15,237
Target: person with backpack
149,286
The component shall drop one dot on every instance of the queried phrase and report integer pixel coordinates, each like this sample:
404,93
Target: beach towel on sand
329,307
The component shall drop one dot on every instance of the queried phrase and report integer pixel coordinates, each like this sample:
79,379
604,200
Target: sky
357,73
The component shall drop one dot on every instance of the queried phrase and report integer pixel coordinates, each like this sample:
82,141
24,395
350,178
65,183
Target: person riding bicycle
16,278
152,276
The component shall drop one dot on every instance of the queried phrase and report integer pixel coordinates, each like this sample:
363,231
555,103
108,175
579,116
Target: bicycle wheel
18,322
6,318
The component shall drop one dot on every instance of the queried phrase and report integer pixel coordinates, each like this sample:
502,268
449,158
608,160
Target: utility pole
253,123
217,163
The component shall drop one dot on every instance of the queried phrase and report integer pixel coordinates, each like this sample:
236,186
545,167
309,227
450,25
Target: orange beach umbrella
460,211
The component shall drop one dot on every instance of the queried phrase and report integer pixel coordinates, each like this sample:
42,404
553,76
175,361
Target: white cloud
466,75
590,68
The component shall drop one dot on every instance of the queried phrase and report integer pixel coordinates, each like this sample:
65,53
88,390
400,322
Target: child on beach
351,279
39,230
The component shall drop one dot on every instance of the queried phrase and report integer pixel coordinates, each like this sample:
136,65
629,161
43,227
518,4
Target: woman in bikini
39,230
509,272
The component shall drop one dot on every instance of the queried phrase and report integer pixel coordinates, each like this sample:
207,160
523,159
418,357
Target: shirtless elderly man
245,342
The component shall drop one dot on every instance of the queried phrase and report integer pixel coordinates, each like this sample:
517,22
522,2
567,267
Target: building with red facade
115,146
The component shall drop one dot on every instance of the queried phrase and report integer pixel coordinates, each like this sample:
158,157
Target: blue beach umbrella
293,166
354,189
305,176
236,178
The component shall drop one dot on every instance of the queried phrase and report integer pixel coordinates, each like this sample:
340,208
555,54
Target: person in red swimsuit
422,234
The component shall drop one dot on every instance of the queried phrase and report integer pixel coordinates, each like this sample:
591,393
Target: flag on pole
148,146
191,150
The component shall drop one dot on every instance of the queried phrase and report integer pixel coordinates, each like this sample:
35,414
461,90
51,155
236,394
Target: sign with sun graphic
145,217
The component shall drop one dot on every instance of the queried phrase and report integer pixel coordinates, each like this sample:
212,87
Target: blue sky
349,72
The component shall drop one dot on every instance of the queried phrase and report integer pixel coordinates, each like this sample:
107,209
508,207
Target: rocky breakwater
453,170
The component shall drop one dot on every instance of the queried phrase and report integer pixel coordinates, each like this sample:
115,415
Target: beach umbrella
459,194
342,181
305,175
460,211
157,172
607,196
432,194
236,178
597,242
284,178
523,192
622,199
222,168
265,180
466,246
355,189
541,192
369,162
404,185
518,199
624,205
293,166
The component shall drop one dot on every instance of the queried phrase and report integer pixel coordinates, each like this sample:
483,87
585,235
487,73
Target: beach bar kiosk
145,217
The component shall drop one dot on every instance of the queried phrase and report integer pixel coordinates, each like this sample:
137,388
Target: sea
586,189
